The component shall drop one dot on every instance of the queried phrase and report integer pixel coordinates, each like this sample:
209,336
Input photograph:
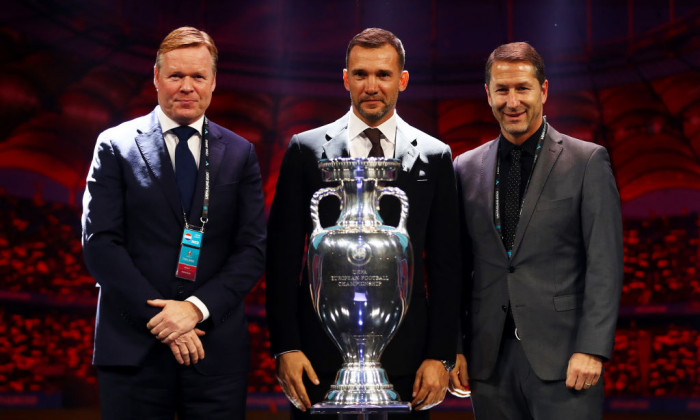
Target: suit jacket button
505,308
511,269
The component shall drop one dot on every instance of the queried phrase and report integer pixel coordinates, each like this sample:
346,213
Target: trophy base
361,388
327,408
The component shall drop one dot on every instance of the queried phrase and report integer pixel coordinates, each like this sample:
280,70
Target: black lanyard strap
497,192
205,205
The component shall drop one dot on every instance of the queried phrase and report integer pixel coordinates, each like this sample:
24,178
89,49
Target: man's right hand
290,369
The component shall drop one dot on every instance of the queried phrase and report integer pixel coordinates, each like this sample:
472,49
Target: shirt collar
529,147
356,126
167,124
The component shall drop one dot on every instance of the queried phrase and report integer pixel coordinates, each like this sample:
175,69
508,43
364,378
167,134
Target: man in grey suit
542,243
421,353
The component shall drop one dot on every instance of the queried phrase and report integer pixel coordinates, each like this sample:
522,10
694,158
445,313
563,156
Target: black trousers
161,388
402,384
514,392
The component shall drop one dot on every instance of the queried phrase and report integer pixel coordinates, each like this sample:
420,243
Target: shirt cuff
200,305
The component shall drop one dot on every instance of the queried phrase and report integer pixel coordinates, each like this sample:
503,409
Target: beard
376,114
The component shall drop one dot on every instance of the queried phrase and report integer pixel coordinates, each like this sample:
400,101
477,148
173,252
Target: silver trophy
361,277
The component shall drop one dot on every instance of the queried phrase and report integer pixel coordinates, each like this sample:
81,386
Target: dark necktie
374,135
511,199
185,166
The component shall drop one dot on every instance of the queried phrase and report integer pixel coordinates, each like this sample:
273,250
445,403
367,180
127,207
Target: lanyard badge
189,253
192,236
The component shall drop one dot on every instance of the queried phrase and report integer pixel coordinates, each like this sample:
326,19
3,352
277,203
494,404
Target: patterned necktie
185,166
374,135
511,199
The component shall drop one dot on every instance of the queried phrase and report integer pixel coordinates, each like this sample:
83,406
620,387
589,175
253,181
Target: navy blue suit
132,228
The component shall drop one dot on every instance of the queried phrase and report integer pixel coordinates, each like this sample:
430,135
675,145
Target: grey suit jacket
564,279
427,177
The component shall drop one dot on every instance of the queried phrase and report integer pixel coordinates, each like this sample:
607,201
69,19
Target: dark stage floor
93,414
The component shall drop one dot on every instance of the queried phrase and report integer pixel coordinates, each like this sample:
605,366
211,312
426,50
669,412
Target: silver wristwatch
448,365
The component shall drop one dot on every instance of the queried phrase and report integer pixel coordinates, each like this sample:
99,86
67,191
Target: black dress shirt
528,158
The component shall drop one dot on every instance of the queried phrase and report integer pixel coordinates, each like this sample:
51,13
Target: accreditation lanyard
497,192
192,236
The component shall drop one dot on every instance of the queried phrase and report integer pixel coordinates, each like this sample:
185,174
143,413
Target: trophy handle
398,193
315,199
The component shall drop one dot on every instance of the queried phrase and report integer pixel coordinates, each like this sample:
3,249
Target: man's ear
545,89
403,82
155,77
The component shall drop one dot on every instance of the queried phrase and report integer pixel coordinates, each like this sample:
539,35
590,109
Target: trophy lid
347,169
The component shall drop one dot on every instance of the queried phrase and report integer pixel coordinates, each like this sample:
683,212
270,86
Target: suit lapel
217,148
152,147
487,179
551,149
336,145
405,148
406,151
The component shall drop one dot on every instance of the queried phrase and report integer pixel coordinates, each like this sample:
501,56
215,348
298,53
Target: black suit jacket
564,278
427,177
132,228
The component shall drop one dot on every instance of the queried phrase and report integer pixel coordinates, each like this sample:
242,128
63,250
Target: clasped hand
174,326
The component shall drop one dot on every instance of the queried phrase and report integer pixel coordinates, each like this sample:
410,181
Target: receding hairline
396,55
372,38
516,52
187,37
496,63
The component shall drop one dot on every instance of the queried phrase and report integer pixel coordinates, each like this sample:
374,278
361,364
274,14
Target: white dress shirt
195,145
358,143
171,140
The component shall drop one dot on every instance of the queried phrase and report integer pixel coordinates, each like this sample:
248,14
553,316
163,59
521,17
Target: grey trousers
514,392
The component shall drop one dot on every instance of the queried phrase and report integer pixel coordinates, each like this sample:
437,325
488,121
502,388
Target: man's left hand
584,371
176,318
459,378
430,385
188,348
